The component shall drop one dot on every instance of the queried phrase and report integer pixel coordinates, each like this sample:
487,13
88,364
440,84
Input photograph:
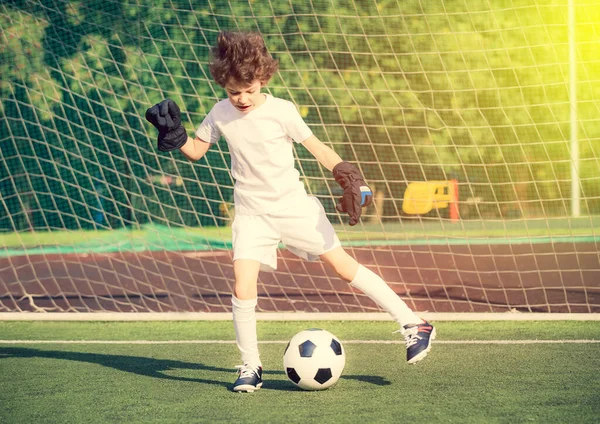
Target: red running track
558,277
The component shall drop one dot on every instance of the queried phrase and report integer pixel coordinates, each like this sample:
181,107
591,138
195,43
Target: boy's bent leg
417,333
370,284
244,303
373,286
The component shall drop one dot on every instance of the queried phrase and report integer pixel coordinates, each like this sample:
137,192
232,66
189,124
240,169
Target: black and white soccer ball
314,359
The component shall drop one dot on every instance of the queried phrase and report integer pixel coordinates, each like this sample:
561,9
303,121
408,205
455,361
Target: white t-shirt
262,159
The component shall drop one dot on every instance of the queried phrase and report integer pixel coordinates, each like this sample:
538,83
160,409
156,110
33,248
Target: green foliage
436,90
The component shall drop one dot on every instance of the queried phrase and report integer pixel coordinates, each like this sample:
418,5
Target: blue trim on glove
366,195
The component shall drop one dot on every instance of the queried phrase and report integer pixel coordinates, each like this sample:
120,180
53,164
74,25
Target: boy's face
245,97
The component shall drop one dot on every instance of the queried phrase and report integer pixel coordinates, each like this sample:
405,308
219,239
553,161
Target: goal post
497,101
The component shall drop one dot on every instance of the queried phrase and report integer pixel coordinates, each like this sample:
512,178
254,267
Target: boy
271,204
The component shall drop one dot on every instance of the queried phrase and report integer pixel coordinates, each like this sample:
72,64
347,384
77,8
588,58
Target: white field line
174,342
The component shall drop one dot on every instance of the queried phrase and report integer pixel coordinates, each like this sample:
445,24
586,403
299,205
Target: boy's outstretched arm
357,193
166,117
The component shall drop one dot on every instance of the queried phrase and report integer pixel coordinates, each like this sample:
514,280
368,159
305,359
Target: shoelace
246,371
411,335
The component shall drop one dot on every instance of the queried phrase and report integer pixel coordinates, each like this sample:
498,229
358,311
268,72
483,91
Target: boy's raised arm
166,117
195,148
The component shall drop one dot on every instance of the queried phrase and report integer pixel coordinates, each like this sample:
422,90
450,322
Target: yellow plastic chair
421,197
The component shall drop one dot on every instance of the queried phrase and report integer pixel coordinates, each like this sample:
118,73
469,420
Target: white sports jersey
262,160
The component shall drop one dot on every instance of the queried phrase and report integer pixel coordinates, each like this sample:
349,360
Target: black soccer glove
357,193
166,117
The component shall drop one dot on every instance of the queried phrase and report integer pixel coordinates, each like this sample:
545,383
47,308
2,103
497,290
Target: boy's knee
245,290
246,278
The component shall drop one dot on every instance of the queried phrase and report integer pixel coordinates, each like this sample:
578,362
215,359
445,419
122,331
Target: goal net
477,124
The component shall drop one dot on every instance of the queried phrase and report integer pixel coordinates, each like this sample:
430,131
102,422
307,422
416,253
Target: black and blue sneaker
249,380
418,339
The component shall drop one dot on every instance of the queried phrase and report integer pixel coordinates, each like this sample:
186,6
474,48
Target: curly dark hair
241,57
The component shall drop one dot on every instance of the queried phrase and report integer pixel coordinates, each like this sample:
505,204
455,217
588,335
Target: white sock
373,286
244,323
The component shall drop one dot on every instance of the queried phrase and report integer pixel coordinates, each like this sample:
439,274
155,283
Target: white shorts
303,228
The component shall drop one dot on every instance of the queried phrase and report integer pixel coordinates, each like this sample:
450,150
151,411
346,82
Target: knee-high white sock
373,286
244,323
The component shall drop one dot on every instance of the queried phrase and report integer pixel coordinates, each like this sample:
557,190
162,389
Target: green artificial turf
190,382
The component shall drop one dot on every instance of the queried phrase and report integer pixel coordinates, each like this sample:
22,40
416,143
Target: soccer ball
314,359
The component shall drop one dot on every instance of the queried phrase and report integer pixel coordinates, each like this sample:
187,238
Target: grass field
183,371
